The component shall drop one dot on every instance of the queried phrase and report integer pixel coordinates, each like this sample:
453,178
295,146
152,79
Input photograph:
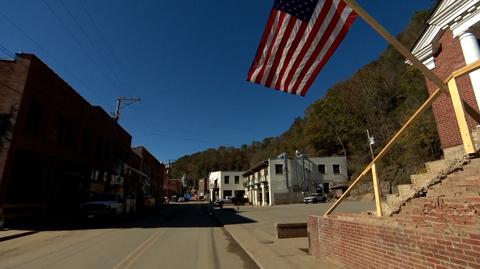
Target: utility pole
122,102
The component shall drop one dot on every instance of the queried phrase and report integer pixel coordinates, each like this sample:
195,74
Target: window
226,180
237,179
321,169
35,117
326,187
336,169
266,171
227,194
279,169
4,123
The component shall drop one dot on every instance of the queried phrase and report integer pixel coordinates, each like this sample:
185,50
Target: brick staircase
450,201
422,183
429,184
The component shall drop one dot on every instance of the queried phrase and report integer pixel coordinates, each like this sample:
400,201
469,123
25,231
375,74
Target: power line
10,88
74,38
105,43
174,137
16,26
92,44
7,51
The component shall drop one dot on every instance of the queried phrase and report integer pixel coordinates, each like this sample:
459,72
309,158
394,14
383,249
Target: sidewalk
257,235
12,234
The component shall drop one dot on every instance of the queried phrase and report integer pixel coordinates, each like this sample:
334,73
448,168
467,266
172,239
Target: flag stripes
292,51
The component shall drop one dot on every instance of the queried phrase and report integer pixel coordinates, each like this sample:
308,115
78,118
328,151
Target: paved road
177,236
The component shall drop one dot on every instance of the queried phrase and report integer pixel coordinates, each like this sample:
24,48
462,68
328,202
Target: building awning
256,168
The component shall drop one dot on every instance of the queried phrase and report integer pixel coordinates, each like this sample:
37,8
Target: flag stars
302,9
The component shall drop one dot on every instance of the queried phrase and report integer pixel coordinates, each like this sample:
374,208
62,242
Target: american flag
300,37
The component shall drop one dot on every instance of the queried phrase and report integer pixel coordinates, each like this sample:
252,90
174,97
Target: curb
13,236
219,221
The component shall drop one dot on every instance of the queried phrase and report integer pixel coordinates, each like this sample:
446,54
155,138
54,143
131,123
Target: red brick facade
448,59
154,170
57,146
369,242
13,75
56,138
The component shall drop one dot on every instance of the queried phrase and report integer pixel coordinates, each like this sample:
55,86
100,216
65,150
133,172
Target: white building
284,181
223,184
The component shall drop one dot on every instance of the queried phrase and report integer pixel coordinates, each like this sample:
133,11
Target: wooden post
376,190
467,138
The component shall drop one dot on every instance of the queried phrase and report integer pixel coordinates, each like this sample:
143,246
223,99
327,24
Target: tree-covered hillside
379,97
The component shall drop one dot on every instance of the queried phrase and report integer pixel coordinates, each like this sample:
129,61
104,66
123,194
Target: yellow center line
137,252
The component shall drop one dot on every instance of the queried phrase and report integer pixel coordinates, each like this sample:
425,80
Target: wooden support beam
376,190
467,138
465,70
397,44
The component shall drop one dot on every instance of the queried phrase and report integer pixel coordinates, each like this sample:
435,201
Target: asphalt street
175,236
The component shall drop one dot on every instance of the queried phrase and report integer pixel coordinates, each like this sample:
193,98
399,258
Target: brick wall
368,242
57,138
448,60
288,198
13,75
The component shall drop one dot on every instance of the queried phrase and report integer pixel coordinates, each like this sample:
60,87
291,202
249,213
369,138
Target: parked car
181,199
101,204
315,198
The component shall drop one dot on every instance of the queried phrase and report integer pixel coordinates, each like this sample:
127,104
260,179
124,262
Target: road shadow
229,216
185,215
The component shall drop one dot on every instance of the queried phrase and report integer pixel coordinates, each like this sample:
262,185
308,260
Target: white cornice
468,20
457,15
448,14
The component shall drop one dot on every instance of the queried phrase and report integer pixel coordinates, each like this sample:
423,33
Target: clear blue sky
187,60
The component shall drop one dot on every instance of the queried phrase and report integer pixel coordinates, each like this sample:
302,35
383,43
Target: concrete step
386,209
436,166
421,179
391,198
474,162
476,136
404,189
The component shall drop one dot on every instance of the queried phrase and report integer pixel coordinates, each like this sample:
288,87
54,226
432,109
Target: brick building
55,146
146,175
203,190
175,188
448,43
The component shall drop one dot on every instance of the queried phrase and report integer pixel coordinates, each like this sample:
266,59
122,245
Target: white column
271,196
253,196
471,53
263,195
